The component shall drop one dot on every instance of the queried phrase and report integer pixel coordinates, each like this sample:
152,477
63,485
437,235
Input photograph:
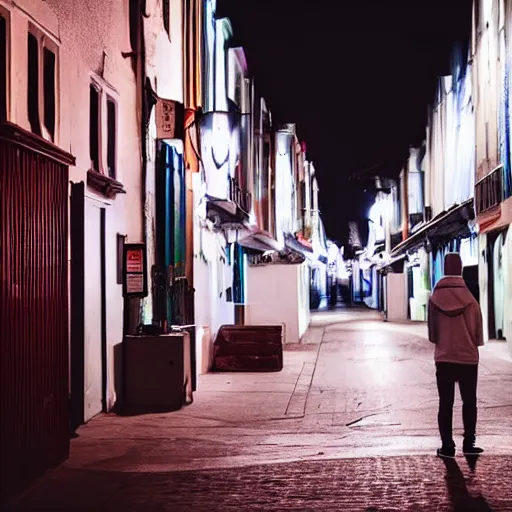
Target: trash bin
156,371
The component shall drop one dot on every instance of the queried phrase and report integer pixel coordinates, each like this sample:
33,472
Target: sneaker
472,450
447,453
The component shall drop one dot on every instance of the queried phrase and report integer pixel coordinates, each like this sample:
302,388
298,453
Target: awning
390,263
225,212
260,240
297,246
446,226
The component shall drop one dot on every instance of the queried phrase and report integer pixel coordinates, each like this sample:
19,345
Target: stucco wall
450,156
164,52
164,69
507,271
396,297
279,294
211,279
482,283
486,84
211,276
90,36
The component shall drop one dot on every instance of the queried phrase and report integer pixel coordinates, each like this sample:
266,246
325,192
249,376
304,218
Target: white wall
164,52
211,275
90,41
211,278
450,158
304,276
164,68
92,336
486,83
436,160
507,270
483,272
284,184
397,297
279,294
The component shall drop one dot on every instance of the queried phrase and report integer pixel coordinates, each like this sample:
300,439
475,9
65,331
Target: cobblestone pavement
386,483
349,424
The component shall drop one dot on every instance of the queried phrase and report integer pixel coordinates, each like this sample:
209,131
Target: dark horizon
384,62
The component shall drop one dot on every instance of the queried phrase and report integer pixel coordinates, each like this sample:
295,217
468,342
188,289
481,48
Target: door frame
77,294
80,337
103,271
492,238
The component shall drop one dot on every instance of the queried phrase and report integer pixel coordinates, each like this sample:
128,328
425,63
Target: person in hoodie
455,327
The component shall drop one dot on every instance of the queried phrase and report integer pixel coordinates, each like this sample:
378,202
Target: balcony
232,211
241,198
489,191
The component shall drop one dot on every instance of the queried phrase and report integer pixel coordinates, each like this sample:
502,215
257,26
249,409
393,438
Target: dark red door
34,434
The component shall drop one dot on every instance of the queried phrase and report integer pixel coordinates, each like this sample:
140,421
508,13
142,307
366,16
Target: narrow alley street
220,248
349,424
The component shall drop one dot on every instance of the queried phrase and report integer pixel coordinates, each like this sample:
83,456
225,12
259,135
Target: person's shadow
459,495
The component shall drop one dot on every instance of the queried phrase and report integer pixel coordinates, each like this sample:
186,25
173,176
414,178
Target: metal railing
240,197
489,191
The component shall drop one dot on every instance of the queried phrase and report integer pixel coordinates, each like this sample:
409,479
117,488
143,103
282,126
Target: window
166,13
222,35
33,85
134,14
103,128
236,81
41,84
111,137
238,89
3,67
49,90
94,127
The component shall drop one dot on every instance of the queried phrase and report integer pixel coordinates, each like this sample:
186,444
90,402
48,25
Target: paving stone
423,483
349,424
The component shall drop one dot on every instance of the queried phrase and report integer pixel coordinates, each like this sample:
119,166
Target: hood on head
452,264
451,296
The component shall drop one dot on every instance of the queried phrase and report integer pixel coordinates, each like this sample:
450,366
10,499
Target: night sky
356,77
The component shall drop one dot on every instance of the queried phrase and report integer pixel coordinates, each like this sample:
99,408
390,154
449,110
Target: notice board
135,282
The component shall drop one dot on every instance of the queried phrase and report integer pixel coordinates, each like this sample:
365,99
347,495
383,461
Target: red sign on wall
135,273
134,260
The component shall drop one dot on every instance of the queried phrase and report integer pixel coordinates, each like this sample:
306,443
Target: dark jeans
447,375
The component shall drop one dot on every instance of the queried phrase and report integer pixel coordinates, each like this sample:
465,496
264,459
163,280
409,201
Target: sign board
165,119
135,283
